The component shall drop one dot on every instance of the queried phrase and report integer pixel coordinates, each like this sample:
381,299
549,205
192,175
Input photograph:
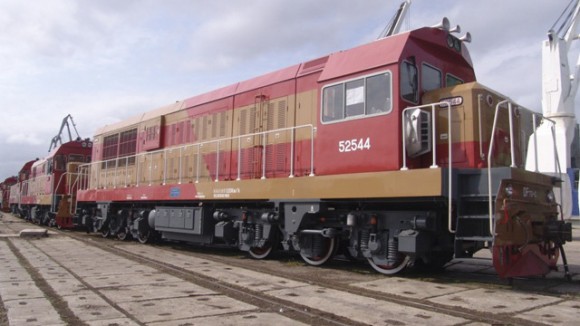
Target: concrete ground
57,280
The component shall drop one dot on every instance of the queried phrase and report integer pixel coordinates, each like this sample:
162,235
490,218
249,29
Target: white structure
559,88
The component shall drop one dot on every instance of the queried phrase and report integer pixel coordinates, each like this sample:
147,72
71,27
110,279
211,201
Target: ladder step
474,217
474,238
476,197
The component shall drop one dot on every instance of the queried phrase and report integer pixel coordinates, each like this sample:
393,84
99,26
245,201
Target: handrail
113,164
512,149
480,127
490,150
433,106
76,185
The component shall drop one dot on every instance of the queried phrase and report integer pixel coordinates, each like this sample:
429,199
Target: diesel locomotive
5,189
391,152
46,188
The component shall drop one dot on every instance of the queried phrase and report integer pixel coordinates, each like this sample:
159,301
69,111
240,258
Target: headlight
509,190
550,196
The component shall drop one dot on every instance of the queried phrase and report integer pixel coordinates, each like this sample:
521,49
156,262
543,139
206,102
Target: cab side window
451,80
333,103
430,78
378,94
357,98
409,78
59,162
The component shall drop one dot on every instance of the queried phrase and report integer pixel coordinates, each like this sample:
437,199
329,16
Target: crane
559,88
57,140
394,26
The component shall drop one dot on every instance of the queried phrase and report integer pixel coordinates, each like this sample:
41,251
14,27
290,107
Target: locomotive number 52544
353,145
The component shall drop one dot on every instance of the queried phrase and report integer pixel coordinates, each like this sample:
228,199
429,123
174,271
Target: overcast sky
105,60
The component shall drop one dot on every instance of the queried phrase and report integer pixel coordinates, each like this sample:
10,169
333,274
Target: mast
559,88
57,140
394,26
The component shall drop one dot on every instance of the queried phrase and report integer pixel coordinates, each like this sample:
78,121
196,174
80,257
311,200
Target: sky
106,60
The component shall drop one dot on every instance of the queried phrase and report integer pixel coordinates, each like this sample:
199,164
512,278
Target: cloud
24,139
258,30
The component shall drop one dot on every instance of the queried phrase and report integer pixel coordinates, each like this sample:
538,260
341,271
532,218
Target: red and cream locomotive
46,188
5,189
391,151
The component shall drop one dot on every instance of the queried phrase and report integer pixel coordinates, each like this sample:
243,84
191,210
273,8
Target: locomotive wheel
261,253
105,232
122,234
329,246
145,236
392,268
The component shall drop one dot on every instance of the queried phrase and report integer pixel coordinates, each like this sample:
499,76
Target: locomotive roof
10,180
64,148
27,166
358,59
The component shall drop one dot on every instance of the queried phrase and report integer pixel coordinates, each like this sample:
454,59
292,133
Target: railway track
298,312
261,287
330,283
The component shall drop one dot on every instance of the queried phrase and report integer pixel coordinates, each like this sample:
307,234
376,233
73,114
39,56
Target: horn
456,29
466,38
444,24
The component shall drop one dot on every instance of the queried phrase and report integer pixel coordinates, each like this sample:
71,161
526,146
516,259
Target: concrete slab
563,313
112,322
155,291
121,279
238,276
85,304
33,233
19,290
32,312
251,319
101,268
356,307
53,273
66,286
182,308
409,288
495,301
59,279
89,306
14,274
10,268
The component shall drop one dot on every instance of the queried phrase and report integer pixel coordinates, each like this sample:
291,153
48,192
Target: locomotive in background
390,152
46,188
5,190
